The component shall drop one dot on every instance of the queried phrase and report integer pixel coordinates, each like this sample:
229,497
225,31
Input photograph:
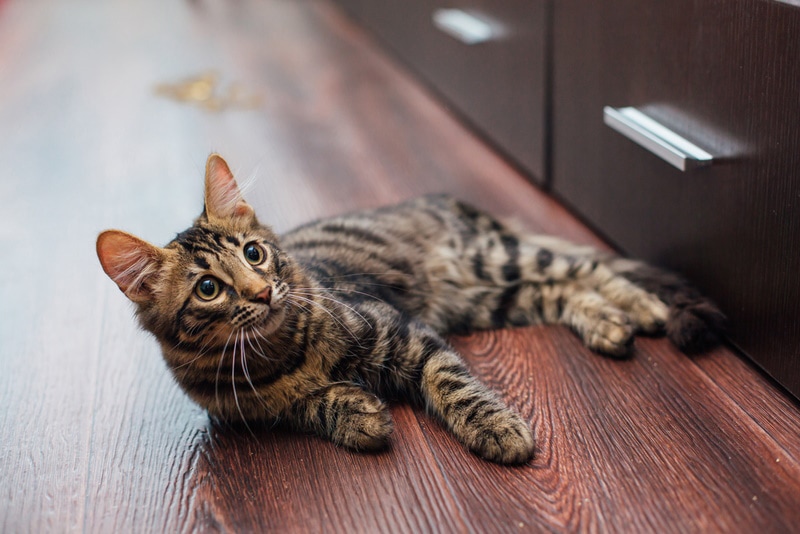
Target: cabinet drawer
497,85
726,76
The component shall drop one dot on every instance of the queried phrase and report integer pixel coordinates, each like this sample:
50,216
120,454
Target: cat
316,327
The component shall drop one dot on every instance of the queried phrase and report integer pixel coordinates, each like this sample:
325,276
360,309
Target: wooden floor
95,436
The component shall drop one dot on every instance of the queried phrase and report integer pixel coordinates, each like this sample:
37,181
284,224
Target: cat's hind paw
649,314
611,334
602,326
646,311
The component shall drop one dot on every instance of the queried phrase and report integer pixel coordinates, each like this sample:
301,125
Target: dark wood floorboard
95,437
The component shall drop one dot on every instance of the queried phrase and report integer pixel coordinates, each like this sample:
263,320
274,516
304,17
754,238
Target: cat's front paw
364,423
501,437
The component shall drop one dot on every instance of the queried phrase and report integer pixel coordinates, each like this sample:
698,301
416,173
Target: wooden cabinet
498,85
722,74
726,76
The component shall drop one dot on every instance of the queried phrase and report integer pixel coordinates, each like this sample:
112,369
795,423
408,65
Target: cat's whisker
260,350
316,294
347,290
254,333
257,351
261,399
318,290
326,310
219,369
295,298
263,338
233,382
354,275
367,283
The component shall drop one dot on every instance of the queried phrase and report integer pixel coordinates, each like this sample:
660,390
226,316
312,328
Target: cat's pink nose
265,296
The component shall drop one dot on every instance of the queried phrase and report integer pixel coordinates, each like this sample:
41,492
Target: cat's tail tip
695,324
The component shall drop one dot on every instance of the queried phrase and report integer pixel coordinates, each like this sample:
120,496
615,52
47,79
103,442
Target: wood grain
97,438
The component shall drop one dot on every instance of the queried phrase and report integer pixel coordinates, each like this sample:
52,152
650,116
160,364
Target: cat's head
224,275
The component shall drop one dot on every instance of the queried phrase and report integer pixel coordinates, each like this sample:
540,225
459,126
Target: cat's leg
654,300
528,279
584,267
346,414
473,412
601,324
395,353
475,415
503,276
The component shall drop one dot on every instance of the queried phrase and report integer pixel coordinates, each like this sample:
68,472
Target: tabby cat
315,327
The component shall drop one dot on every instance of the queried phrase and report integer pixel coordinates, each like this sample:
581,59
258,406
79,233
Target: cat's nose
264,297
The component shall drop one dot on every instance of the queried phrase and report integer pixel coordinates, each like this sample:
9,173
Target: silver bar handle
463,26
661,141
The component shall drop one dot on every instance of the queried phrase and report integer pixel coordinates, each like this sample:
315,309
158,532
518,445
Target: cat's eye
254,254
208,288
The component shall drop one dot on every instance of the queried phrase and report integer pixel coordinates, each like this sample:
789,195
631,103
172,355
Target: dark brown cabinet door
726,76
497,85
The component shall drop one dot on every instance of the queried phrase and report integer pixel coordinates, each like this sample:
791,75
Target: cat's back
386,252
416,222
397,236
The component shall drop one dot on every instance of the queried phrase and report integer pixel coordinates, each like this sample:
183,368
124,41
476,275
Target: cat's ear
223,198
133,264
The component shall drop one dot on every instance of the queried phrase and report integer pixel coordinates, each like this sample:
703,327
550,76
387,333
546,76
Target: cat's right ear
133,264
223,199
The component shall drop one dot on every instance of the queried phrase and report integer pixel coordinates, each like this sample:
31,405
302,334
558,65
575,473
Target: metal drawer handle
653,136
463,26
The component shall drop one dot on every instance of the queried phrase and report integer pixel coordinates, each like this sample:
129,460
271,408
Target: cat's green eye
254,254
207,288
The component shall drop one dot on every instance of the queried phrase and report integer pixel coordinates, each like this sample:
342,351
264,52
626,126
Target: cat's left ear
223,198
133,264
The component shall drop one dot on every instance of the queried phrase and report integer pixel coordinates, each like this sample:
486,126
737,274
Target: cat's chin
272,322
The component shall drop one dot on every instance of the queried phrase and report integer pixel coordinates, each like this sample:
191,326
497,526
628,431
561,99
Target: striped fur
316,327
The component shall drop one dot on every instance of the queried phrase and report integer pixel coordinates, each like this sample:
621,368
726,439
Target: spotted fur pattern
317,327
